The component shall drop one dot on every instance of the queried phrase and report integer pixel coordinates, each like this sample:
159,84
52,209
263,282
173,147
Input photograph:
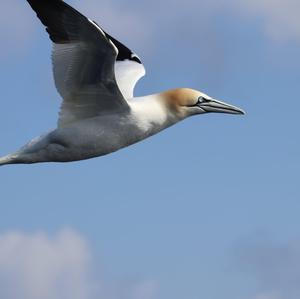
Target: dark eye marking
202,100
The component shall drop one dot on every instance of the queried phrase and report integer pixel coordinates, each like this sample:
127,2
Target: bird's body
97,136
95,75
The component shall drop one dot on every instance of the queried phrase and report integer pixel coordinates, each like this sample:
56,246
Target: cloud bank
142,23
280,19
35,266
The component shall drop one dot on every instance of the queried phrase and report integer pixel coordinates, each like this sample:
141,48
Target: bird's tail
8,159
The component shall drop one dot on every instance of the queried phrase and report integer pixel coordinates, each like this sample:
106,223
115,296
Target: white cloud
142,25
35,266
280,19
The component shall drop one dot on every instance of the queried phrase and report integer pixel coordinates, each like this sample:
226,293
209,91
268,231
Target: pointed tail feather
9,159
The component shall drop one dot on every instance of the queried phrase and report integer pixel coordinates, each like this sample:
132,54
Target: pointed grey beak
212,105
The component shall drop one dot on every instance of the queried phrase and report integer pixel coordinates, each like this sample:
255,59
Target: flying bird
95,75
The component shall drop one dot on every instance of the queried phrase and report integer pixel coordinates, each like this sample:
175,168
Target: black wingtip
54,14
124,52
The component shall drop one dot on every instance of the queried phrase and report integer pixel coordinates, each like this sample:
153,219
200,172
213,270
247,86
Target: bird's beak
212,105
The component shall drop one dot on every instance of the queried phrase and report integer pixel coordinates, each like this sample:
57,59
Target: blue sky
206,209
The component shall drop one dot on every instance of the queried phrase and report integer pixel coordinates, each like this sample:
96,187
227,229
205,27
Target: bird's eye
201,100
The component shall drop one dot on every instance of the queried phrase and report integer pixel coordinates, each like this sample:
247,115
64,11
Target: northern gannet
95,75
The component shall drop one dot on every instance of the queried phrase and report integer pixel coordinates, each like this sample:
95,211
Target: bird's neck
151,114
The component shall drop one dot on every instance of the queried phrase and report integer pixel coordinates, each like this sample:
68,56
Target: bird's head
187,102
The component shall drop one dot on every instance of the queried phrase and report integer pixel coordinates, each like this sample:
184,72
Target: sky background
206,209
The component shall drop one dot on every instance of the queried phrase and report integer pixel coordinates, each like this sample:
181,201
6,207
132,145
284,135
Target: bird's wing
84,59
128,68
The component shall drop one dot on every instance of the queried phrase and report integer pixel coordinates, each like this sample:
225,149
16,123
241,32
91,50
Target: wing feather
83,62
128,73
